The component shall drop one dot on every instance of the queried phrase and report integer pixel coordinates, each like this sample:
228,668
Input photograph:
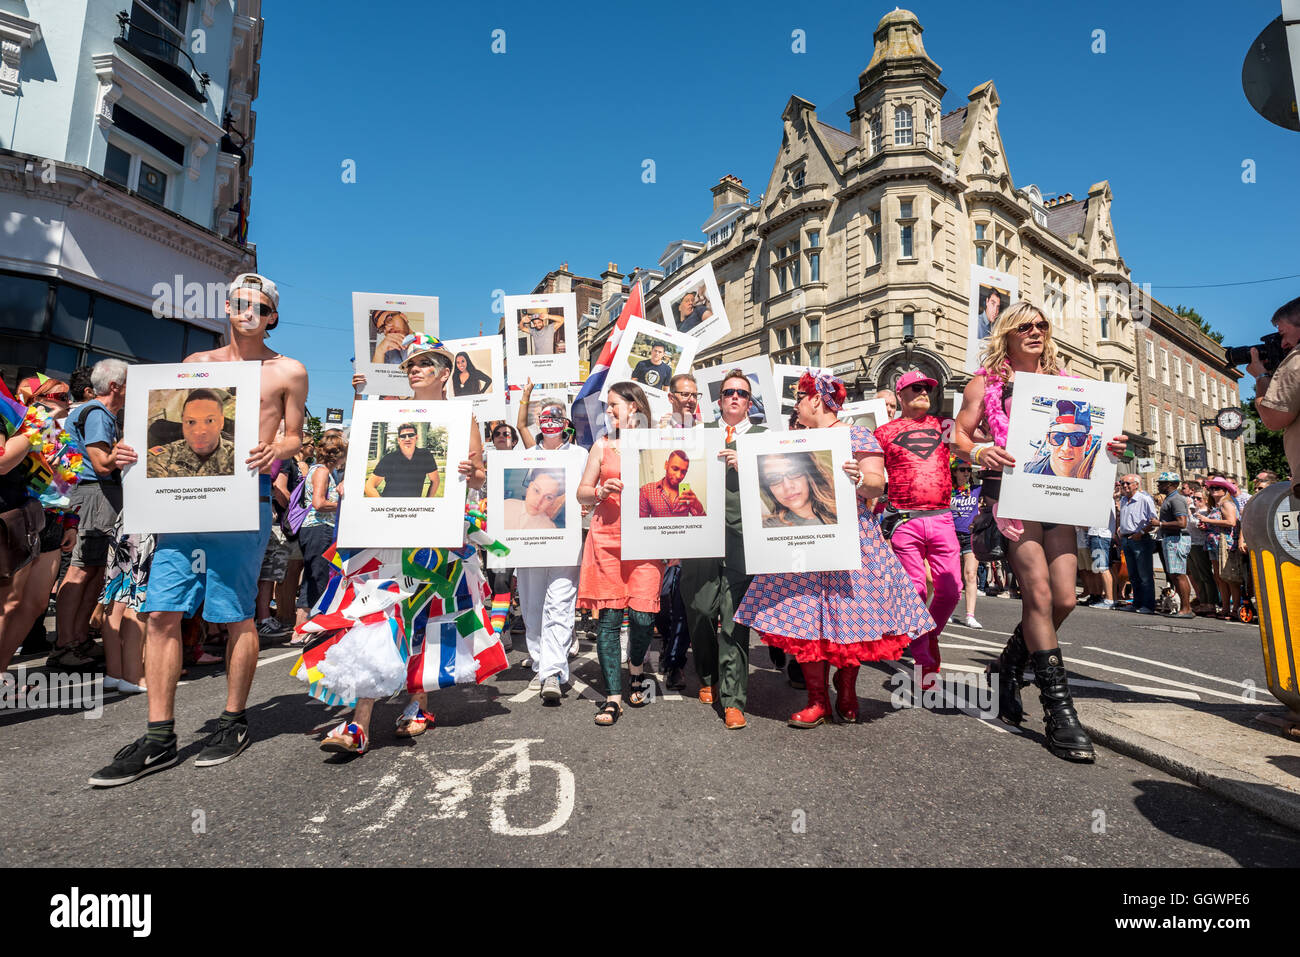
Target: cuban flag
587,406
461,650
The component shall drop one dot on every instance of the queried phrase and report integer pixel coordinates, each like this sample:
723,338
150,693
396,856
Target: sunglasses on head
1042,325
1076,438
261,309
737,393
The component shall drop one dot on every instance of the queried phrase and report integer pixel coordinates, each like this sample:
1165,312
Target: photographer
1277,393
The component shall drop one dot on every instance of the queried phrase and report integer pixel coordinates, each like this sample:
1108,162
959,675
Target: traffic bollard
1271,524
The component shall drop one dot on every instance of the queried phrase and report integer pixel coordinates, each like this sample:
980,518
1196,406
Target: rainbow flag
11,410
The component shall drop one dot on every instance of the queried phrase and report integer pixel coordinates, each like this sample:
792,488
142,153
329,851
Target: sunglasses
501,434
919,387
406,435
738,393
781,478
261,309
1042,325
1076,439
800,396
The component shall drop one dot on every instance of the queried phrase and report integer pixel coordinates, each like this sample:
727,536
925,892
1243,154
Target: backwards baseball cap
1070,412
913,377
251,280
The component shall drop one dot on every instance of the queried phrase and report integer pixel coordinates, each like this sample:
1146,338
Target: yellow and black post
1271,524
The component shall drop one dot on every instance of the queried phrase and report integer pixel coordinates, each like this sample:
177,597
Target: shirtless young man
216,570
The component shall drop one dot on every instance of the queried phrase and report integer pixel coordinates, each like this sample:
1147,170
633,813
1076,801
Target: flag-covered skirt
393,619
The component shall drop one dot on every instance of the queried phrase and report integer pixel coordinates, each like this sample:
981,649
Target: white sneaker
111,683
551,689
972,622
535,684
125,687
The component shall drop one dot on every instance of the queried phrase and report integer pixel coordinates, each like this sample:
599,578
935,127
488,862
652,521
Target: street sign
1268,76
1195,456
1146,466
334,416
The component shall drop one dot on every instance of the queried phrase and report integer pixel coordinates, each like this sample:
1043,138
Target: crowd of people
923,493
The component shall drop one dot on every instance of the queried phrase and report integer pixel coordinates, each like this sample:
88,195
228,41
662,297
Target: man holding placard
217,570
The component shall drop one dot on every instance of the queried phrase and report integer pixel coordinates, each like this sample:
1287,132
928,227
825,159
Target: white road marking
1161,664
1137,689
950,700
287,654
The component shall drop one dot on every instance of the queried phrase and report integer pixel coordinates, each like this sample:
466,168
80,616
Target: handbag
986,540
20,536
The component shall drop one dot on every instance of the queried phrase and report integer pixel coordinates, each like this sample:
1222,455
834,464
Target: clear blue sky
479,171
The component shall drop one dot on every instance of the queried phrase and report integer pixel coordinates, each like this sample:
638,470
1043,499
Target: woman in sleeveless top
1041,554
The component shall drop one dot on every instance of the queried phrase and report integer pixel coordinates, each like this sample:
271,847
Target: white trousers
546,599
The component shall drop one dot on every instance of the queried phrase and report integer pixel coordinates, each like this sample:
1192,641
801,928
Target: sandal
346,738
611,710
413,721
638,698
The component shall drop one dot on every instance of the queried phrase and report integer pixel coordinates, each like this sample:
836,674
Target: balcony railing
164,56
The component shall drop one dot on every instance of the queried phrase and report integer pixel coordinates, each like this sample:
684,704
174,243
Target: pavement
504,779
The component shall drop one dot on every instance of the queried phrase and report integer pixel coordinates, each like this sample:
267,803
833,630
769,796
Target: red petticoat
887,648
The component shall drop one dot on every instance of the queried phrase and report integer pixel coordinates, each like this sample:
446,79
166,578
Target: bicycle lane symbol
450,789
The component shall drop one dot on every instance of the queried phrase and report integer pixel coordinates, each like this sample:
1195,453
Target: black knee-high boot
1010,669
1065,735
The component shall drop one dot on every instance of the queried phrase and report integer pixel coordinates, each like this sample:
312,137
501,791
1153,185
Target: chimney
611,283
729,190
1069,198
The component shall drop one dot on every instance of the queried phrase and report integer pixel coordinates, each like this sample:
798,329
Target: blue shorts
215,570
1175,549
1099,547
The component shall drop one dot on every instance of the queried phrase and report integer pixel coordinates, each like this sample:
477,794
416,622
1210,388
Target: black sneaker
135,761
223,744
675,680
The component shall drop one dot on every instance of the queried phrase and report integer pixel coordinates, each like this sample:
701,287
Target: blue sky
479,171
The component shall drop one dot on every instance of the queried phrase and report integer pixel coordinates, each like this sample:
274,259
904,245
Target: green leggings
609,648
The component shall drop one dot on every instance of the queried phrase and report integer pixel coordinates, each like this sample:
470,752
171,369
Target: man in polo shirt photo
405,469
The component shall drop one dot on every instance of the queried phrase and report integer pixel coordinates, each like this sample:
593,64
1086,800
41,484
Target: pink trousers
933,539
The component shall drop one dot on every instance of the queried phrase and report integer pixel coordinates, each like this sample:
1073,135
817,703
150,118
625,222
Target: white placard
985,283
650,355
1064,483
703,315
674,493
787,379
798,508
533,506
764,400
380,321
541,338
192,424
482,382
869,413
391,501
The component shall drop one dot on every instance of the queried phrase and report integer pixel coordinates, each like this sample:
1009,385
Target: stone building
126,144
1183,378
858,254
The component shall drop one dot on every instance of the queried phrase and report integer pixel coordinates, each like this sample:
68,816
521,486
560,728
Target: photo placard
1057,434
763,399
478,375
192,424
380,321
991,294
541,338
787,384
650,355
403,488
869,413
798,507
694,307
533,506
674,494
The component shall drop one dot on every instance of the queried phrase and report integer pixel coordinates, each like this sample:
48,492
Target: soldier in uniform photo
202,450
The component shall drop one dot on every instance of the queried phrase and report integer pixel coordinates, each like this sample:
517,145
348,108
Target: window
135,332
721,234
117,166
166,19
905,249
1054,298
1205,392
874,145
1164,366
1103,317
1151,360
782,338
929,128
1182,430
1169,428
873,233
1223,395
1105,375
1191,380
814,330
905,209
1178,375
71,310
814,237
909,324
814,355
130,169
979,255
903,126
798,178
152,184
979,230
814,267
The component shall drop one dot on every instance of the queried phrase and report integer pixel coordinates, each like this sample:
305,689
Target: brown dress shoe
734,718
706,694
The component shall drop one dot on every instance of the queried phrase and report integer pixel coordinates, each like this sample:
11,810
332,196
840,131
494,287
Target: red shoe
734,718
819,702
846,692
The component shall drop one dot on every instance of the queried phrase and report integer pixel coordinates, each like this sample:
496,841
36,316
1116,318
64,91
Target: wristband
979,450
862,477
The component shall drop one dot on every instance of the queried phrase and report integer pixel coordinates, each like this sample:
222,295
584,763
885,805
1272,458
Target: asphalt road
503,779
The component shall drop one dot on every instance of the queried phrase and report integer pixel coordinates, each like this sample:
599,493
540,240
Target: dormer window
903,126
798,178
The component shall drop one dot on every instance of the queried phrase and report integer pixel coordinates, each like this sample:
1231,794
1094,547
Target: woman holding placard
840,618
608,584
1042,554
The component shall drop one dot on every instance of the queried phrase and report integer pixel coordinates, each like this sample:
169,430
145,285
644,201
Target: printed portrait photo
191,432
471,372
789,387
406,460
693,308
993,301
534,499
672,485
1070,447
796,488
541,330
651,361
757,410
387,330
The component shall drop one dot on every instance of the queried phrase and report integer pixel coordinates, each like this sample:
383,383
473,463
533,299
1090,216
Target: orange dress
606,580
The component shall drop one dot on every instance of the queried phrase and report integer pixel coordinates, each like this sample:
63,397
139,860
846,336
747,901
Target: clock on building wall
1230,422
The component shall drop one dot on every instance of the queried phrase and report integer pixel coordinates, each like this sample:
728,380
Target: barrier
1271,524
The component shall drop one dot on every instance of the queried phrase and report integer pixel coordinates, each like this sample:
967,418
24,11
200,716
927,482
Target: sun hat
1220,482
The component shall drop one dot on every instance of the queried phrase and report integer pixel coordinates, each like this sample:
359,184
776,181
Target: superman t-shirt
917,462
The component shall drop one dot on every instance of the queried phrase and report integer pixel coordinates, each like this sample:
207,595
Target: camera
1270,349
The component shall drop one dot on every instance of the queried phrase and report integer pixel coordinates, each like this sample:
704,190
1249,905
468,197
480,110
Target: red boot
819,702
846,692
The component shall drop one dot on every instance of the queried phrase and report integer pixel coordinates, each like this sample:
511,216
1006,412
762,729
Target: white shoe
535,684
551,689
972,622
111,683
125,687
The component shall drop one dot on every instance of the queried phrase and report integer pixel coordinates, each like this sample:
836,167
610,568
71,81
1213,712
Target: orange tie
731,434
